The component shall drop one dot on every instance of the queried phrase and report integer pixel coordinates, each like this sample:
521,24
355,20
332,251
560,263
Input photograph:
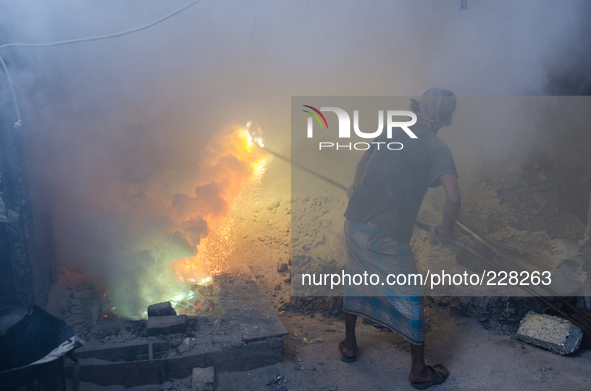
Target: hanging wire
18,123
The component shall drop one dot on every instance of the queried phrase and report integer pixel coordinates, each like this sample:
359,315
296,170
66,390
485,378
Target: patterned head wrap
435,108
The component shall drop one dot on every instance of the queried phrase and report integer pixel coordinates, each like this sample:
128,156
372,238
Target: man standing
385,199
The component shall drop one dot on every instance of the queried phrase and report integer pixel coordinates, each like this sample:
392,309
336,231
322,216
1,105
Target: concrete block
203,379
556,334
247,336
237,358
114,352
161,309
167,324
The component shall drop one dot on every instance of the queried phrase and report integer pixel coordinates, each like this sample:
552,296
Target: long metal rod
317,175
540,297
547,289
425,227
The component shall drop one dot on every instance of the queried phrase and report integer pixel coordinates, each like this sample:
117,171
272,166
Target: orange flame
231,164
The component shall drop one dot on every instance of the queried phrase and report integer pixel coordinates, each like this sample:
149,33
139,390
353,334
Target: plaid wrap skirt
397,307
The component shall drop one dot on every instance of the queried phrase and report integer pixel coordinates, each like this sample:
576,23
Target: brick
167,324
161,309
556,334
203,379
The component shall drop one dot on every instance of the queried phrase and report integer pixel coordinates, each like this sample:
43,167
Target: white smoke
115,128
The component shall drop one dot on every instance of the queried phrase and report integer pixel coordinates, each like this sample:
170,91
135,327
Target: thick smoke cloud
117,130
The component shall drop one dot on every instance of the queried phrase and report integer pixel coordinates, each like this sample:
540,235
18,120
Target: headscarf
435,108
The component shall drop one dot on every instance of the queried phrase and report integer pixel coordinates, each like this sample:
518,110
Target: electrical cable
18,122
80,40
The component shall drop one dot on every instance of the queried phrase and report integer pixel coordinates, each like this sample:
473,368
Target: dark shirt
394,183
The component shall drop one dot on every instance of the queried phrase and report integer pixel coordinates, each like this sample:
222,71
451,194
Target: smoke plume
125,137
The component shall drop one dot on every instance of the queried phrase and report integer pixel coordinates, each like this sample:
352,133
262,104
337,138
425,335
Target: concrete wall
26,265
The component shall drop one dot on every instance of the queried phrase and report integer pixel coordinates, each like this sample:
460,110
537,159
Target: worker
385,199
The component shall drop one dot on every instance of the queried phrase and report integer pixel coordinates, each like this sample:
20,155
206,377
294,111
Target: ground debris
550,332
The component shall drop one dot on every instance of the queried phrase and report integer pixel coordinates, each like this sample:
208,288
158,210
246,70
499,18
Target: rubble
167,324
550,332
161,309
203,379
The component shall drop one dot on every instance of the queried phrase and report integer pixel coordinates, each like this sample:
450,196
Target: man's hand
443,233
440,236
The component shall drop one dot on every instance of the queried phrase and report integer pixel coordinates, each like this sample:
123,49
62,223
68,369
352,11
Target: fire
177,258
233,167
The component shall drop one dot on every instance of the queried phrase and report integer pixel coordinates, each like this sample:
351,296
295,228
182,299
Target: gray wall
26,265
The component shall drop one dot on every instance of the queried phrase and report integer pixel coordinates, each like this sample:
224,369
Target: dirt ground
478,359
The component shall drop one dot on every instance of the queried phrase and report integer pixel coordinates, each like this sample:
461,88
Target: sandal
345,358
440,371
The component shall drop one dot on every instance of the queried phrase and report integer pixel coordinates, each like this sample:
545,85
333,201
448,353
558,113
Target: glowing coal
233,166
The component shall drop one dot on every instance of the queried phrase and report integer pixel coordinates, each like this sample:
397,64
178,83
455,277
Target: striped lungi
397,307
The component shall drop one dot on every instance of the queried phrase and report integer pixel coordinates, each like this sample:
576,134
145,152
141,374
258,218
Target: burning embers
172,250
201,300
230,172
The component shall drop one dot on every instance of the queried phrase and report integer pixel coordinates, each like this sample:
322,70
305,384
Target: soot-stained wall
26,264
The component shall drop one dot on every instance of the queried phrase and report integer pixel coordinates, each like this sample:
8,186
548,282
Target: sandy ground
478,359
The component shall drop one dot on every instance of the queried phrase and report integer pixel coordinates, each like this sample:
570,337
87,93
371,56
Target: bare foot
428,377
348,348
426,374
